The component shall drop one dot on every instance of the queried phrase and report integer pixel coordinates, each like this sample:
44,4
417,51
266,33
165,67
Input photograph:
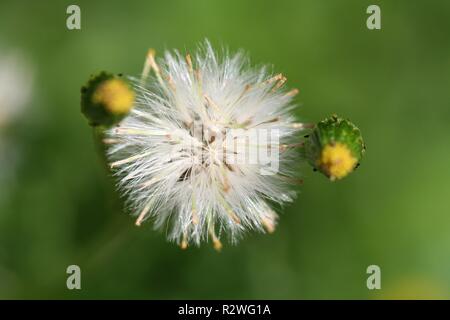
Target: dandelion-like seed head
183,155
16,86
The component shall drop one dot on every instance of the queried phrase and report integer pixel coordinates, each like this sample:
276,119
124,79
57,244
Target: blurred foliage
61,208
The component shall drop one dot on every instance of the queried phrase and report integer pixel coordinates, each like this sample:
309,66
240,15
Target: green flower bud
106,99
335,147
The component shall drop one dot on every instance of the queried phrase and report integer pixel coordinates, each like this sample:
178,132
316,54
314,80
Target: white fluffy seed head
172,155
16,81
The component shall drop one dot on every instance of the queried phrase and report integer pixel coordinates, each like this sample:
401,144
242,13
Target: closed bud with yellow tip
106,99
335,147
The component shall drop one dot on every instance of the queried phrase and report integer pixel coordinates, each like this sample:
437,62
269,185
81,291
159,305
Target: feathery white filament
170,156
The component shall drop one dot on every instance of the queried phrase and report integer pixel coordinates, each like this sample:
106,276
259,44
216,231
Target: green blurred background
58,207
